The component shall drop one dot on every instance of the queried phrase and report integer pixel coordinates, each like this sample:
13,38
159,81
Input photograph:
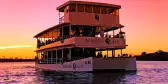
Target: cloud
20,46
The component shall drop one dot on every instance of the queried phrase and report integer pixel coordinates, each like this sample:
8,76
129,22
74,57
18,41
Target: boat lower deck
91,64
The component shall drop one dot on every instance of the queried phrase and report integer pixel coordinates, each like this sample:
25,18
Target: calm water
25,73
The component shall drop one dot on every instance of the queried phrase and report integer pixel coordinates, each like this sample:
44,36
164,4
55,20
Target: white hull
92,64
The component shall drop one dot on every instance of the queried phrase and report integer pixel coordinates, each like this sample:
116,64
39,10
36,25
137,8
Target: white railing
52,61
58,60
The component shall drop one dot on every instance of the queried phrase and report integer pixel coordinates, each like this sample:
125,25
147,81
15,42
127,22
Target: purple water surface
149,72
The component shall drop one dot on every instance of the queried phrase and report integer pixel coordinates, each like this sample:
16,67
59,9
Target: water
149,72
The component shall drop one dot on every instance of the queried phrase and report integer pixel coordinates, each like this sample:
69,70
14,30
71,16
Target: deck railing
51,61
61,20
41,43
58,60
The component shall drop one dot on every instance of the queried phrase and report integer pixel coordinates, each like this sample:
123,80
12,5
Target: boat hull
92,64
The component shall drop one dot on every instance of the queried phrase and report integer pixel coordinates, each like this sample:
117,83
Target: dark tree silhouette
143,53
160,51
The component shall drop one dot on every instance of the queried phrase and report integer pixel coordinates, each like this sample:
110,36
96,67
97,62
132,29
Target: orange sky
146,24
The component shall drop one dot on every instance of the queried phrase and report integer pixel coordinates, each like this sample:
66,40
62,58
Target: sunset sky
146,24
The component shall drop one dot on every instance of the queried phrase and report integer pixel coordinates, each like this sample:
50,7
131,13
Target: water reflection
84,78
112,78
25,73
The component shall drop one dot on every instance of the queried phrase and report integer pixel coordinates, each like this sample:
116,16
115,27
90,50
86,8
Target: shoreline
17,60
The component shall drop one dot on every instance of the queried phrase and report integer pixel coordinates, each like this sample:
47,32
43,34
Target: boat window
66,31
56,33
103,10
53,34
72,32
65,54
39,56
45,56
54,53
49,54
50,34
78,52
90,52
88,8
80,8
98,29
59,34
59,53
111,11
117,12
66,10
96,9
72,8
73,53
75,30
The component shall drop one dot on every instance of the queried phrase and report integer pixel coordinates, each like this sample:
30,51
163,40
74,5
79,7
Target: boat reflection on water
50,77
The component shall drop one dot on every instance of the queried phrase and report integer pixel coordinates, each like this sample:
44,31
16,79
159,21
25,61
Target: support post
52,36
121,52
107,52
59,17
76,7
48,36
84,8
47,56
44,40
69,53
41,56
51,56
56,56
62,54
62,32
44,57
36,57
92,9
112,53
69,29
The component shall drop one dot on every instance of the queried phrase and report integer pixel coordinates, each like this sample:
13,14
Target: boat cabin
89,13
83,30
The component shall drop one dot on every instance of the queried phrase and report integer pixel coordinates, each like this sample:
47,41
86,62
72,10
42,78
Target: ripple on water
25,73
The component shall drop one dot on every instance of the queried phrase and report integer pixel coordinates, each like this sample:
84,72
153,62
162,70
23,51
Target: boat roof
87,3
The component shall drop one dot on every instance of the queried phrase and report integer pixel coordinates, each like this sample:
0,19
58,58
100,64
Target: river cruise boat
85,29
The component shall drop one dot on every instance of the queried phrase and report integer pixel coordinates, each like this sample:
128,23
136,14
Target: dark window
49,54
103,10
111,11
96,9
60,32
72,8
54,53
59,53
66,31
88,8
80,8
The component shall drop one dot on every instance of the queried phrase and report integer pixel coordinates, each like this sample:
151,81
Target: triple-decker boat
85,29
